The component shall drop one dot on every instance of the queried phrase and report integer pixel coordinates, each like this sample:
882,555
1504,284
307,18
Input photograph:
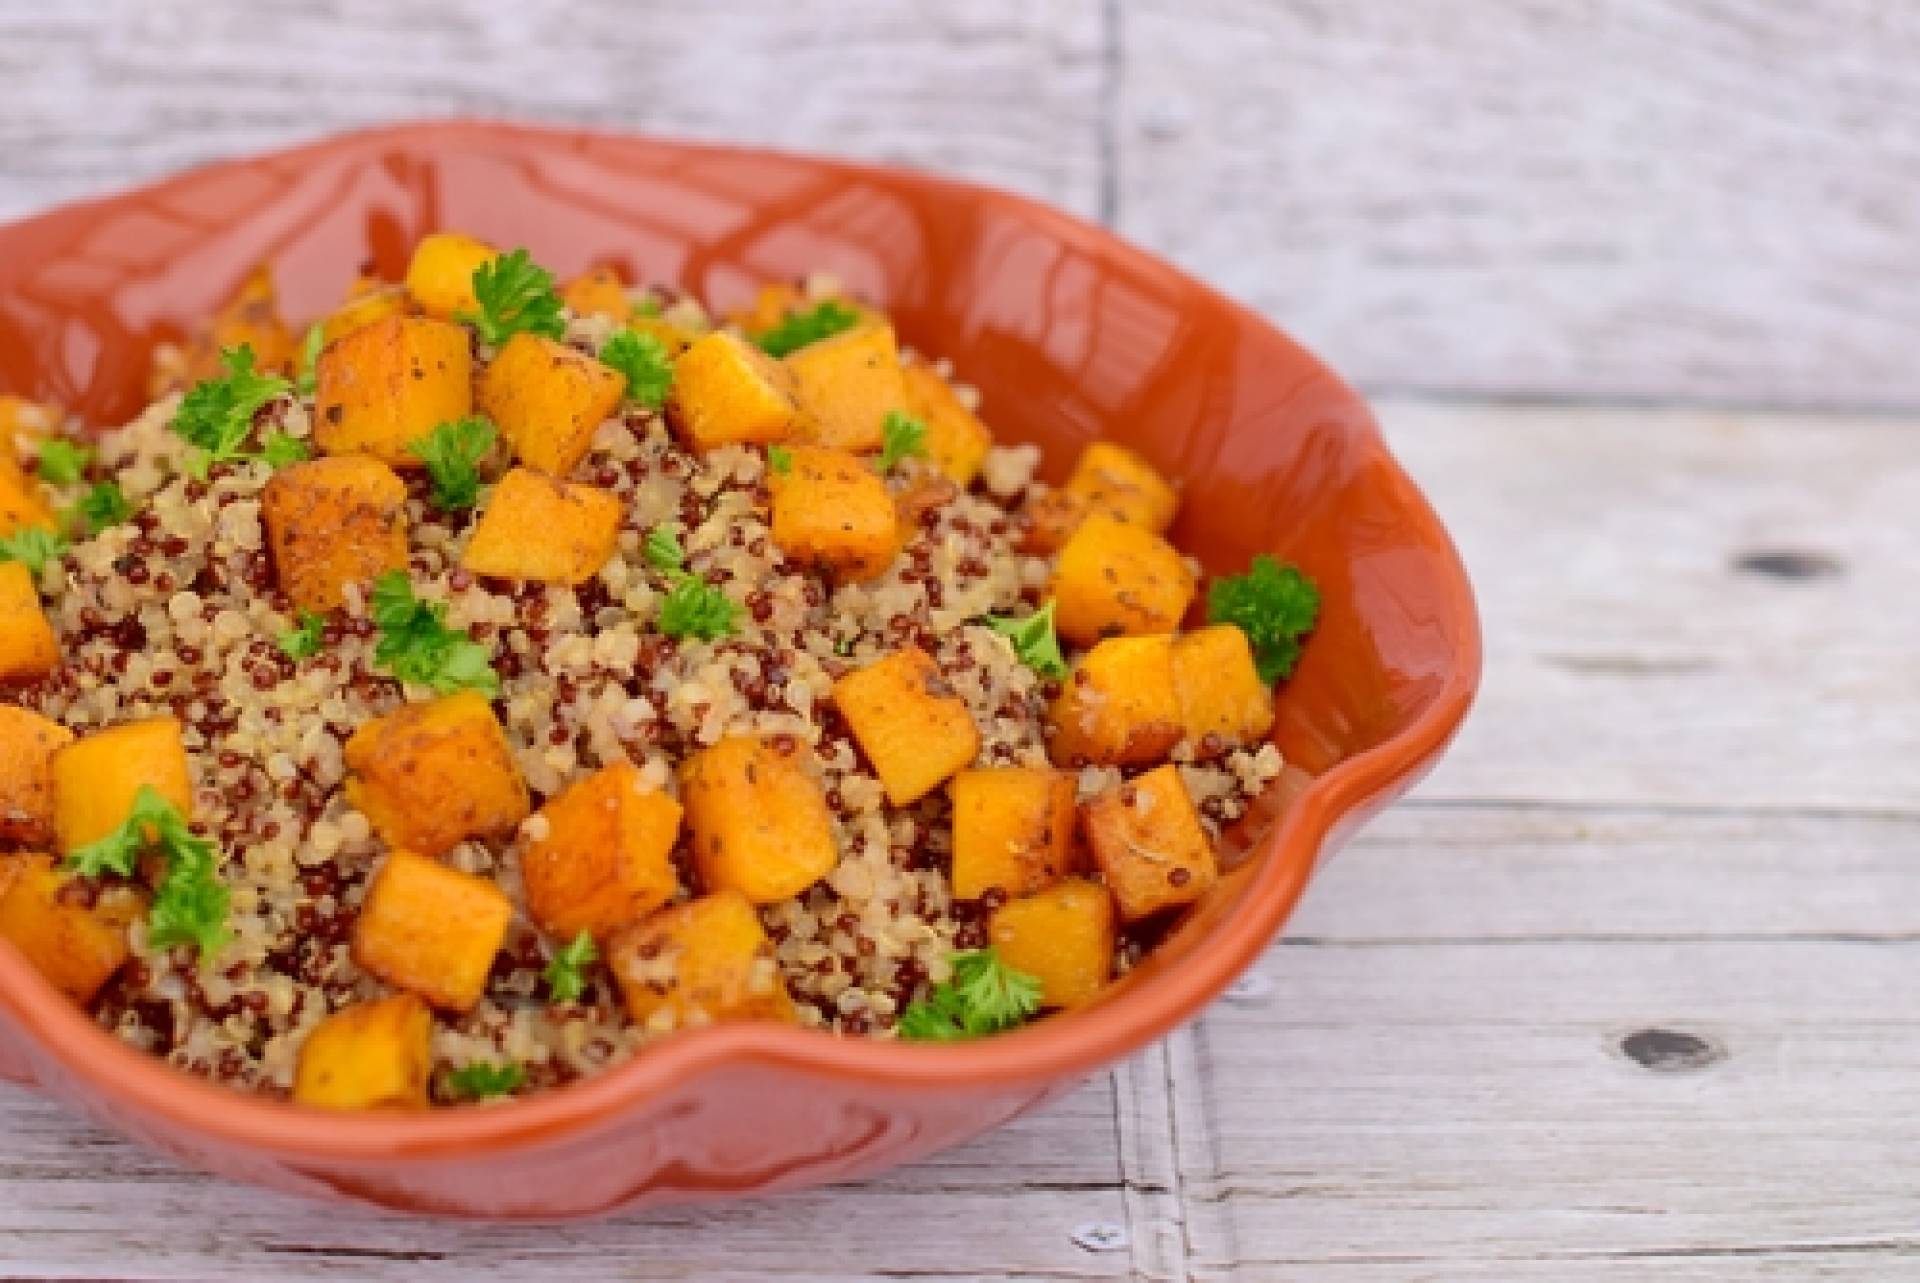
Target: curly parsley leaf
798,329
696,608
189,902
105,504
33,547
516,296
663,551
985,996
645,362
416,645
779,460
480,1080
216,415
566,971
310,358
902,435
280,449
452,453
304,641
1274,605
63,463
1034,640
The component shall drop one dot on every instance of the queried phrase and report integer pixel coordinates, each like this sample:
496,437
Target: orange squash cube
1112,479
957,442
385,385
28,648
701,962
332,522
362,310
97,778
548,400
76,945
831,510
371,1055
1012,829
606,858
537,528
772,304
598,291
432,774
728,392
1114,578
1119,706
758,819
1062,936
907,720
847,385
1223,702
28,742
440,275
23,500
249,318
1147,841
431,930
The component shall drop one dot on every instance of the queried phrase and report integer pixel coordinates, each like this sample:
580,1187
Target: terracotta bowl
1071,335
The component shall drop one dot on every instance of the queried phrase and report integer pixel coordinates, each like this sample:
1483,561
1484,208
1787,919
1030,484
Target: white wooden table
1628,989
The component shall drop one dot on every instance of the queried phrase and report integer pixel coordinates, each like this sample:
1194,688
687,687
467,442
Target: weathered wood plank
1658,199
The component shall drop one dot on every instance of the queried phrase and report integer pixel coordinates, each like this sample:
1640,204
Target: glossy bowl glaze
1071,335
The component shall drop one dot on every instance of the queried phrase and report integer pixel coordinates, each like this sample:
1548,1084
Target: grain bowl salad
443,701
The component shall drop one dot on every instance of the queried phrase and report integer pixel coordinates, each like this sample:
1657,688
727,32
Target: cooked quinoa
180,611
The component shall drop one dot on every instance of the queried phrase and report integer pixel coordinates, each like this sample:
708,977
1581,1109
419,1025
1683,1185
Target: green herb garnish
216,415
452,453
480,1080
798,329
310,346
902,435
281,449
663,551
1034,640
566,970
985,996
105,504
33,547
645,362
779,460
304,641
1274,605
63,463
190,902
695,608
516,296
417,646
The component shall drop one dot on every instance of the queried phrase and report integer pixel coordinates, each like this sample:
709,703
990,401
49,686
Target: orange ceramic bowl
1071,335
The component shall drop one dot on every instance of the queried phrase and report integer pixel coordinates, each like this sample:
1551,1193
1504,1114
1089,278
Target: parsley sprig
798,329
566,971
1274,605
645,362
33,547
63,463
105,504
308,378
481,1080
779,460
1034,640
216,415
189,902
985,996
694,607
417,646
452,453
304,641
516,296
901,435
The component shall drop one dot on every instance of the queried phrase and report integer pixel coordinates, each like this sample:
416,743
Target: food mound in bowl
445,705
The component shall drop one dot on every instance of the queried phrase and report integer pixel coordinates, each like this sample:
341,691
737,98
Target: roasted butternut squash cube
362,310
96,778
606,858
535,527
847,385
432,774
385,385
368,1056
728,392
1114,578
1051,518
548,400
830,509
909,722
28,742
23,500
431,930
28,648
1147,841
440,275
76,943
249,318
1062,936
1119,706
758,819
332,522
1112,479
957,442
1012,829
598,291
1223,702
772,304
699,963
